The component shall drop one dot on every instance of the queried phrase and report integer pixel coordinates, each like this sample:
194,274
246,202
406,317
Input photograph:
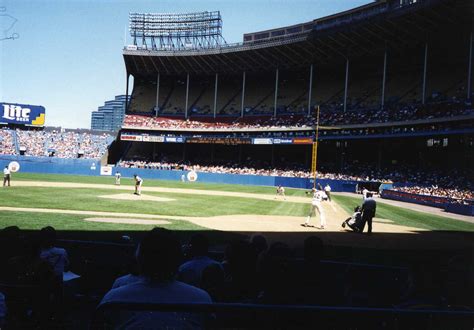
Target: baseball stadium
313,175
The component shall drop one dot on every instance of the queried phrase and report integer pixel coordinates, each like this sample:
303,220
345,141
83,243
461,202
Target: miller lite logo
16,112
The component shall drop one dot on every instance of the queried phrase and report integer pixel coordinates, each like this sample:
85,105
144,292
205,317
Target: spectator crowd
164,270
55,143
7,146
328,117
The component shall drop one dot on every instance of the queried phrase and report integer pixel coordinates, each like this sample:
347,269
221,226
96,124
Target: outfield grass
85,199
405,217
154,183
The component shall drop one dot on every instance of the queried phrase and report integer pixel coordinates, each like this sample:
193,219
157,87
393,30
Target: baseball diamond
318,172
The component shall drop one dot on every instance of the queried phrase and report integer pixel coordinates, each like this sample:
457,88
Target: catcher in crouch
317,208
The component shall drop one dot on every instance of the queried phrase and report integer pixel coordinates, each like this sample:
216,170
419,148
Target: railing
225,48
256,316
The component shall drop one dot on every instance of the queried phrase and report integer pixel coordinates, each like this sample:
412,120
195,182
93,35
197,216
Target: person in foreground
158,257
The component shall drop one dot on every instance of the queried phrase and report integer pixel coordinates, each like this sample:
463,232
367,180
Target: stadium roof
365,30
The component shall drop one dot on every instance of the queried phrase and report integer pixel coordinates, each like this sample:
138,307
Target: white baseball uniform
138,185
316,207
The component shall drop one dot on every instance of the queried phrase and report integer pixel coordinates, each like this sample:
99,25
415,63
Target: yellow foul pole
315,149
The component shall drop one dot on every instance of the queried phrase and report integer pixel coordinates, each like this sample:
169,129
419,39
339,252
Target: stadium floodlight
189,31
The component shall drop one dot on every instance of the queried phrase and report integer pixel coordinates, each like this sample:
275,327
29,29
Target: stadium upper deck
389,56
392,25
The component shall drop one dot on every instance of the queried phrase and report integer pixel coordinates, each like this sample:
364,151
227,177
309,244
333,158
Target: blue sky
68,54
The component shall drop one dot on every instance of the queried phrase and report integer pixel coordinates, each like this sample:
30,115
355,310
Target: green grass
405,217
86,199
152,183
182,205
72,222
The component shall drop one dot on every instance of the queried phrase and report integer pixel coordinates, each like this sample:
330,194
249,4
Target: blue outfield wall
254,180
92,167
440,202
53,165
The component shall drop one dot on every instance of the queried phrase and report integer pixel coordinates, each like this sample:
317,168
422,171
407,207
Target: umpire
368,212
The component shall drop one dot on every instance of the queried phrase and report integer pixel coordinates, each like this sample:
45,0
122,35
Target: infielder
316,207
138,185
117,178
6,176
280,192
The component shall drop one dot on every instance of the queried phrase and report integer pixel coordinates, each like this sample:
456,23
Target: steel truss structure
191,31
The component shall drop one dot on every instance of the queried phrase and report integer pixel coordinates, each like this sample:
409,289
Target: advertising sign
173,139
130,137
106,170
22,114
282,141
302,141
262,141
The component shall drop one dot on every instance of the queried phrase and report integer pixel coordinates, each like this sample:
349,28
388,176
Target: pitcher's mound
129,221
132,197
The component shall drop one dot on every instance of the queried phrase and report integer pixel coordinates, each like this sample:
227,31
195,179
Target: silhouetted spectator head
212,277
10,242
277,260
198,245
313,249
259,243
159,255
11,233
47,237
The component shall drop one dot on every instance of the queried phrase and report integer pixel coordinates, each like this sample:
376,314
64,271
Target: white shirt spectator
6,171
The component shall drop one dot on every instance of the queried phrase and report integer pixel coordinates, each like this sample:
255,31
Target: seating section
400,112
7,146
43,143
251,273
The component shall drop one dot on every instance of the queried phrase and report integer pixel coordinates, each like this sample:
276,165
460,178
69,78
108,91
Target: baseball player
138,185
327,190
355,221
117,178
316,207
364,194
280,192
6,176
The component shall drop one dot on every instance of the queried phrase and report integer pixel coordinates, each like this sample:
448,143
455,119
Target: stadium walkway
417,207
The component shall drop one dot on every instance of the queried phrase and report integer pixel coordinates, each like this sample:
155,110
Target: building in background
109,117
